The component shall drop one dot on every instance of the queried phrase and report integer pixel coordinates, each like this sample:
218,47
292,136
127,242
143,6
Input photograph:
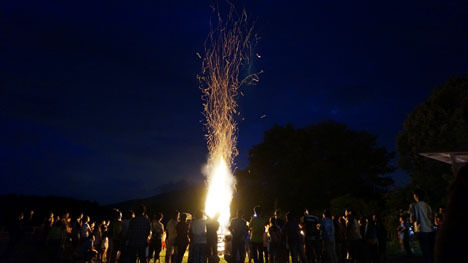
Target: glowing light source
220,191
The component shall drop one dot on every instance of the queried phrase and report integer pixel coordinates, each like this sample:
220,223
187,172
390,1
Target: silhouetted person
212,226
157,232
371,241
198,238
328,233
46,226
30,221
257,229
275,240
171,234
340,238
182,238
127,217
312,237
77,224
294,238
238,228
404,229
15,233
452,238
382,238
353,237
86,228
283,254
137,235
421,216
56,241
115,236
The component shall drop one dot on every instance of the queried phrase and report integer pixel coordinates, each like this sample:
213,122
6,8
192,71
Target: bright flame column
220,191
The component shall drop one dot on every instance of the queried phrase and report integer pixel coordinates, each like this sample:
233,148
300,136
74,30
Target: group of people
297,237
306,238
135,236
140,237
78,239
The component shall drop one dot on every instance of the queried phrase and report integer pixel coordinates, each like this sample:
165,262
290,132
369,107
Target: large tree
297,168
434,126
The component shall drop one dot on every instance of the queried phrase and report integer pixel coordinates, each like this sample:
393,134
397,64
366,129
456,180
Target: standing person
86,227
257,228
198,238
128,216
76,230
157,232
421,216
46,226
275,240
266,244
29,221
404,230
382,238
328,233
66,219
68,245
98,238
212,226
239,229
182,239
295,242
312,237
137,235
171,237
371,240
353,237
340,238
283,255
56,241
15,233
115,236
400,232
274,232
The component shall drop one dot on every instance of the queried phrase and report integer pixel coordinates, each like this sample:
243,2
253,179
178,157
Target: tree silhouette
308,167
434,126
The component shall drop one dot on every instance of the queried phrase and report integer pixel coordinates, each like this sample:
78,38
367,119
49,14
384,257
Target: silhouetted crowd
306,238
140,237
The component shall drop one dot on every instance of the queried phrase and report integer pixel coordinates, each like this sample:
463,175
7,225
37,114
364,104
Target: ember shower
228,49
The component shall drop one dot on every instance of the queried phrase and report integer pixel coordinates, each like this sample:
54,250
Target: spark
227,50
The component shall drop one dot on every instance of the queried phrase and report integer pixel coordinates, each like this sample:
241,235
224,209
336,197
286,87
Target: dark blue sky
99,100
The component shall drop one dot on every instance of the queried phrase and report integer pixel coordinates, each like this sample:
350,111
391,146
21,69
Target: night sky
99,99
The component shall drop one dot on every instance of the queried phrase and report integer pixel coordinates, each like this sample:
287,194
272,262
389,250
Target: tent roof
446,157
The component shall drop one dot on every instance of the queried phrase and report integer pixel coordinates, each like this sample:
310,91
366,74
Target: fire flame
220,192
